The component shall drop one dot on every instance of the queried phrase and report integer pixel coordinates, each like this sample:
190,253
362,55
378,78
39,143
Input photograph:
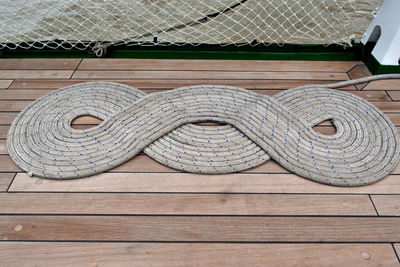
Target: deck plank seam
386,91
373,204
395,252
12,180
76,68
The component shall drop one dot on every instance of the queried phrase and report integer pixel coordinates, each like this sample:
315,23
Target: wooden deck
144,213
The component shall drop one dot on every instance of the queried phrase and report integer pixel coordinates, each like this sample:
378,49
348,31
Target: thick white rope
364,149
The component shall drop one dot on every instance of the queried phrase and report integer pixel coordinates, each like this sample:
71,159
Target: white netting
83,23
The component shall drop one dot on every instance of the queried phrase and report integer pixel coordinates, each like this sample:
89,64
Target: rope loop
253,128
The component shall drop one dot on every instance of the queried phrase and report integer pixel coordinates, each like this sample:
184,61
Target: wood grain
173,254
387,205
216,65
383,85
200,228
185,182
3,148
5,83
388,106
395,95
357,72
7,117
5,181
185,204
35,74
143,200
397,249
39,64
14,105
214,75
3,133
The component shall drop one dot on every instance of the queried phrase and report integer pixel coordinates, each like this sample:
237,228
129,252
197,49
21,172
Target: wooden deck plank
3,148
175,254
359,71
39,63
395,118
3,132
216,65
388,106
185,204
200,228
35,74
193,183
397,249
214,75
7,165
387,205
395,95
14,105
383,85
373,96
7,117
175,83
5,180
318,213
5,83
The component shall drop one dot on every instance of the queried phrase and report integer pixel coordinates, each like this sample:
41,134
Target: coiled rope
364,149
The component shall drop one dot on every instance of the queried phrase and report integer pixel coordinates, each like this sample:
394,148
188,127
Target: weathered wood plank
397,248
14,105
5,180
388,106
359,71
215,75
175,254
175,83
387,205
7,117
395,118
373,96
5,83
383,85
3,132
185,204
190,183
395,95
216,65
39,63
3,147
21,94
35,74
200,228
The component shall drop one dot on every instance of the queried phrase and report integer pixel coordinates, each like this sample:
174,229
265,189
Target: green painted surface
248,52
228,52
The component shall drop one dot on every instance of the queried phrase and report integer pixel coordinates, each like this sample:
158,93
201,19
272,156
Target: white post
385,31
